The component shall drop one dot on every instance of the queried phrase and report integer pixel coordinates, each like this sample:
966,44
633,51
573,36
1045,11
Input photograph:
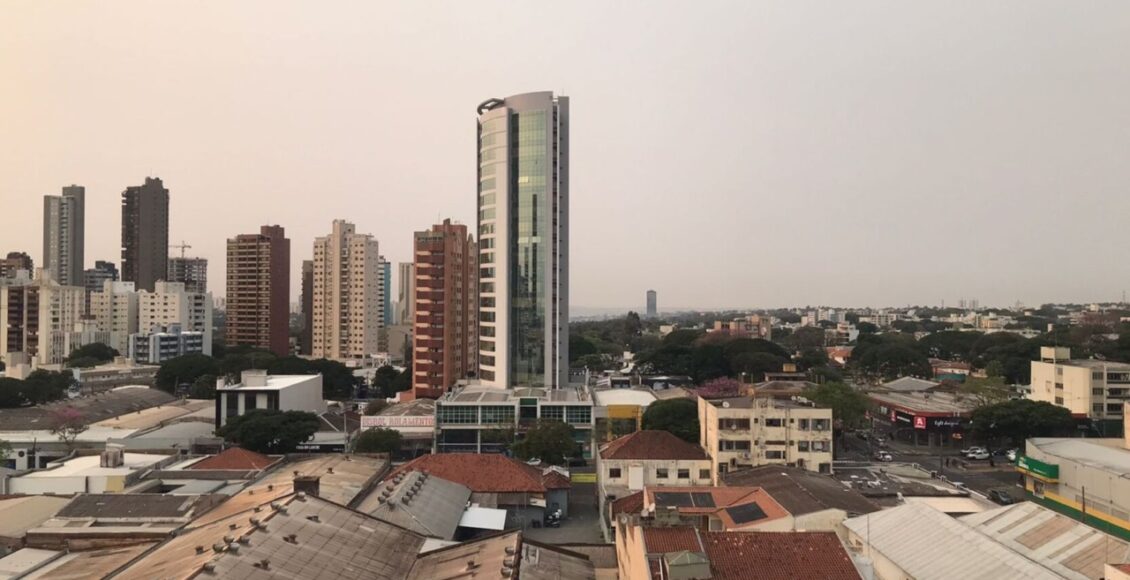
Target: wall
43,485
649,472
884,568
304,396
830,520
630,557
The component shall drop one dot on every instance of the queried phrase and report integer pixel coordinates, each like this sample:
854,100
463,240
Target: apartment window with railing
733,424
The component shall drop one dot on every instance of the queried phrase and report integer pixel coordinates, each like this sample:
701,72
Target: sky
726,154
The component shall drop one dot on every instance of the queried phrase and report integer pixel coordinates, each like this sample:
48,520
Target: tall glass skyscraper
523,201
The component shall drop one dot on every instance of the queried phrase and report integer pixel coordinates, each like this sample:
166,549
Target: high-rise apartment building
192,272
523,202
386,292
652,304
346,303
169,303
405,293
114,310
37,318
14,262
94,279
445,333
306,339
63,236
145,233
258,298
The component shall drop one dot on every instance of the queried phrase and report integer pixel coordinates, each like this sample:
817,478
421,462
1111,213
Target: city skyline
843,131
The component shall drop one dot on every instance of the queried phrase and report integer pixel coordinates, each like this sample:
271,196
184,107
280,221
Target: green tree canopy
96,350
84,362
550,441
185,369
888,357
951,344
204,387
270,431
1013,422
677,416
378,440
849,406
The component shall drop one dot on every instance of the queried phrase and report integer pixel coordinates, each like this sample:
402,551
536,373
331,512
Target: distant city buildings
162,343
145,233
95,278
1090,388
37,318
114,309
445,345
169,303
258,290
305,342
346,301
406,293
63,235
652,304
14,262
523,219
192,272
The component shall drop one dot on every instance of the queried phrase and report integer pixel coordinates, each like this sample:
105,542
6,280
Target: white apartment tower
169,304
37,318
115,311
63,236
523,203
347,300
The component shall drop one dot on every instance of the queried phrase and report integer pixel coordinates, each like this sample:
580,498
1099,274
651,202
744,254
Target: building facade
258,290
37,318
752,431
406,293
306,339
386,292
114,310
63,235
346,302
94,279
523,218
468,418
145,233
445,345
258,390
170,304
192,272
162,343
14,262
652,304
1089,388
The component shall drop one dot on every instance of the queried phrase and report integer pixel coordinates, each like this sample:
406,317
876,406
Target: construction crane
183,246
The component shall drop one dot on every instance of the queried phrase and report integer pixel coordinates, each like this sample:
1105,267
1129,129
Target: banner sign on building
397,421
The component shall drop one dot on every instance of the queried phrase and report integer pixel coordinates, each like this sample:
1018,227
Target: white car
884,456
981,454
974,451
1011,455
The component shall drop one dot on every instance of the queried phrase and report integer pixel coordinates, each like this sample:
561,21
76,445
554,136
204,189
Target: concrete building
523,216
652,304
619,411
145,233
258,390
258,291
306,339
63,235
114,310
406,293
169,304
192,272
84,332
110,472
753,431
347,304
1089,388
923,417
94,279
120,372
467,416
817,502
650,459
386,292
36,318
14,262
445,335
162,343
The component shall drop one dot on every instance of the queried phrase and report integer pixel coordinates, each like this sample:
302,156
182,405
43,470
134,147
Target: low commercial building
620,412
112,471
414,420
258,390
752,431
120,372
931,418
651,459
469,416
1092,389
162,343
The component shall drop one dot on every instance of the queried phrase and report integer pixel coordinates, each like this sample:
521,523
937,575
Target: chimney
308,484
112,456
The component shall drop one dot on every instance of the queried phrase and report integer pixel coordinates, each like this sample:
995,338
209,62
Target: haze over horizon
770,154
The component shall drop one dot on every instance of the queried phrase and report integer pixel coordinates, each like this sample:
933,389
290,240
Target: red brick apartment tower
258,290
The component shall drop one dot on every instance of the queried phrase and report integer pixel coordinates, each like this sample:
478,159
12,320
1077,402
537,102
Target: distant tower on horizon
145,234
652,304
63,235
523,218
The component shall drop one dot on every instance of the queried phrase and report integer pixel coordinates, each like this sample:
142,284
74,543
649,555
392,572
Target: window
661,473
498,414
733,424
613,473
1098,392
553,412
1097,408
684,474
774,454
704,474
1097,375
725,445
803,426
1059,400
457,415
802,446
578,414
773,423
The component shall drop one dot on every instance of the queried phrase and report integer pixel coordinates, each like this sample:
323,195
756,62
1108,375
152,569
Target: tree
848,405
720,389
67,423
45,386
1013,422
384,380
550,441
378,440
185,370
756,364
11,393
984,391
951,344
95,350
270,431
596,362
82,362
806,337
375,407
204,387
866,328
677,416
5,449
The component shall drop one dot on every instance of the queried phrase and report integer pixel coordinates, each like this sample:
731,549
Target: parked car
1001,496
881,441
982,454
974,450
1011,455
883,456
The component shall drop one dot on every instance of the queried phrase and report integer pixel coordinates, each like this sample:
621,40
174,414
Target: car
1001,496
973,450
982,454
884,456
1011,454
882,442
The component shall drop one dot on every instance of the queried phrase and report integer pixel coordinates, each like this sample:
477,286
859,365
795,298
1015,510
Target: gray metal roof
20,514
909,385
94,408
129,506
1086,452
423,503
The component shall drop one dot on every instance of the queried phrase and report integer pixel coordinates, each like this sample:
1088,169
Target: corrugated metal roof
930,545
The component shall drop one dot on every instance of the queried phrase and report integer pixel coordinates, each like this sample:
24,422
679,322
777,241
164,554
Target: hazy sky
723,153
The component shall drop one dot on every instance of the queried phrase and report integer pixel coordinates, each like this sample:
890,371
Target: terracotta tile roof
657,445
665,540
630,504
777,556
722,498
486,473
235,458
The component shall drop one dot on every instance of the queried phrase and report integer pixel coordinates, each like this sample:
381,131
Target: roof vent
275,505
314,518
199,549
301,496
291,538
265,564
471,565
405,498
507,571
245,540
510,550
217,547
509,562
229,539
233,526
209,567
270,487
233,548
